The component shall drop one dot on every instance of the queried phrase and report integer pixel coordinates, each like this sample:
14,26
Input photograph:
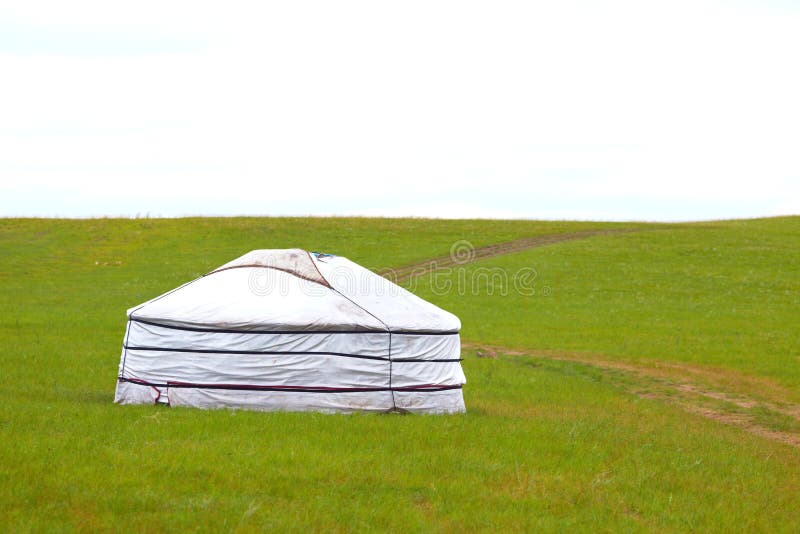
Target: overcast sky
591,110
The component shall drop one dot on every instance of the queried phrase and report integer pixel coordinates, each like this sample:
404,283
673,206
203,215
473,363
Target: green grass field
651,382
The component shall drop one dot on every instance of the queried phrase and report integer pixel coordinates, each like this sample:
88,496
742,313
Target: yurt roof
283,290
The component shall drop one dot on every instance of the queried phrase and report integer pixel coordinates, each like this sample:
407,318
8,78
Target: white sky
591,110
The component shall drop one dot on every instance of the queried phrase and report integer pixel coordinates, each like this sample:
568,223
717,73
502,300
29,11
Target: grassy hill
646,379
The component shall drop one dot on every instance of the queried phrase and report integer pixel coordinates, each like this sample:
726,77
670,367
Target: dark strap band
288,352
423,388
235,331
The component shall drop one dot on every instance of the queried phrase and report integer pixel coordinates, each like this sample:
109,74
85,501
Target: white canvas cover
292,330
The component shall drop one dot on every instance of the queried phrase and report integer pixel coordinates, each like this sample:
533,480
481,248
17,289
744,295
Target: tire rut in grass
691,388
406,272
694,389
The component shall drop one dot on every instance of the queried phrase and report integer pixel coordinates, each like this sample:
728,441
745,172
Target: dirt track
723,395
401,274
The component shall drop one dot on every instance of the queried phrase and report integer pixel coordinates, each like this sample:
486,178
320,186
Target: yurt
292,330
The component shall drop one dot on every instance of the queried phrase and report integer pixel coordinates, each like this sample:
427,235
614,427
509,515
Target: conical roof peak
294,261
